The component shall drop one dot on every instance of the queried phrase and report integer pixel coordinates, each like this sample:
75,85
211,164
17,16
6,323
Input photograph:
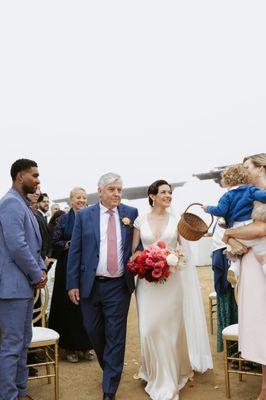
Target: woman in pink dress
252,282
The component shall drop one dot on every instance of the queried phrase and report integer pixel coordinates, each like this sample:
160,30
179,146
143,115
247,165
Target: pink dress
252,310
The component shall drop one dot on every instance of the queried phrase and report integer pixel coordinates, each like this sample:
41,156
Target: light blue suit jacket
20,248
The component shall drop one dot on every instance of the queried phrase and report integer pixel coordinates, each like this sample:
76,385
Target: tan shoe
25,397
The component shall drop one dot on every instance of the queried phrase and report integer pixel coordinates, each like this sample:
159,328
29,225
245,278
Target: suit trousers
105,320
15,337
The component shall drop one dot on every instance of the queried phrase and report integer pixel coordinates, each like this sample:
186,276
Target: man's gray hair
108,178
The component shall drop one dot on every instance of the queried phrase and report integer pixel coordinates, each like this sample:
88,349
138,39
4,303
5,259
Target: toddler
236,208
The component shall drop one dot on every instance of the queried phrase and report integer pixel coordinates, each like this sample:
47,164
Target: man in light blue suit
98,279
21,269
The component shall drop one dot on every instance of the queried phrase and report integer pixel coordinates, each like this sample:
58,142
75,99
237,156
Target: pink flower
150,262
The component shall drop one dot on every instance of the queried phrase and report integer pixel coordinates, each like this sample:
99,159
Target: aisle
82,381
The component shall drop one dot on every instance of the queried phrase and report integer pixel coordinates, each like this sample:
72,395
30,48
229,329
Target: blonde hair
75,190
259,211
259,160
235,175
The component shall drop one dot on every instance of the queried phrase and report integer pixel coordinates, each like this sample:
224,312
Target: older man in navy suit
21,269
98,279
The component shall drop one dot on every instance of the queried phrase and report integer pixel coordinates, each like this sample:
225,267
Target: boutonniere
127,222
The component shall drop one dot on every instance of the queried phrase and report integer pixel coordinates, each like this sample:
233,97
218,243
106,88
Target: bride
172,326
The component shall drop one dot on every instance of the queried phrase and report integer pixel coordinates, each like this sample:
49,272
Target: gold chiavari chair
212,308
231,353
45,340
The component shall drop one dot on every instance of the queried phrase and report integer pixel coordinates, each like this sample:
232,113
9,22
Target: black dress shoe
108,396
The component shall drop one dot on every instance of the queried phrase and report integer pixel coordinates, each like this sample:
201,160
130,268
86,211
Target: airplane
140,192
132,193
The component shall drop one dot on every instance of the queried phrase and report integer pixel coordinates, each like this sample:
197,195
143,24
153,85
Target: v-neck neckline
162,233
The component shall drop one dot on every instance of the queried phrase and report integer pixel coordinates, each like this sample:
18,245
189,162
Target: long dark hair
154,188
54,218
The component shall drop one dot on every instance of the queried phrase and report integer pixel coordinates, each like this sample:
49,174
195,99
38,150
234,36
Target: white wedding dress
167,360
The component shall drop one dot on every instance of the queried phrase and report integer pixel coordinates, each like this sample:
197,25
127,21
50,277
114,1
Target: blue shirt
237,204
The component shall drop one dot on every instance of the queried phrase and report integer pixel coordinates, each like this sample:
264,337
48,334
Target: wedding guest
65,317
54,207
252,282
52,225
33,198
41,215
32,358
54,221
21,269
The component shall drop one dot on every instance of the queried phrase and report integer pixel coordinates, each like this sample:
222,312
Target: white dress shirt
102,266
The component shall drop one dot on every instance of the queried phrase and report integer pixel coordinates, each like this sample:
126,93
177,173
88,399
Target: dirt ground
82,381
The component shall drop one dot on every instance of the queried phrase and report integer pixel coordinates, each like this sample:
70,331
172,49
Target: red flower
151,264
162,245
157,273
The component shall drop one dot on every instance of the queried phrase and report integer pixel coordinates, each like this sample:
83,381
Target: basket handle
198,204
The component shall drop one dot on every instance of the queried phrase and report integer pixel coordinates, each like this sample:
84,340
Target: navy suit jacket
83,257
20,248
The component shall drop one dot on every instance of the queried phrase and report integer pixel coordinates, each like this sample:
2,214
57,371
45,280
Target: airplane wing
132,193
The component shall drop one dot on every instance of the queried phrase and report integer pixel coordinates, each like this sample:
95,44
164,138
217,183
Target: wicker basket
192,227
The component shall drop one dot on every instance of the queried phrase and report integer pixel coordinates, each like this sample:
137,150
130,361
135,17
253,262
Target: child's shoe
233,272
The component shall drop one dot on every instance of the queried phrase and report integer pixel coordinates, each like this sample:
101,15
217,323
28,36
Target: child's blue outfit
237,204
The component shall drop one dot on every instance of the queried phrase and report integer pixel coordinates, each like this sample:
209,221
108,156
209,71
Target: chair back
40,305
236,293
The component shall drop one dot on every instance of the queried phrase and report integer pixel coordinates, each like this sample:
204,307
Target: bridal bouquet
156,263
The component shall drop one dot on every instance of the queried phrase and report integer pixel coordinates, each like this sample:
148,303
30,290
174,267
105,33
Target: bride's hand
132,258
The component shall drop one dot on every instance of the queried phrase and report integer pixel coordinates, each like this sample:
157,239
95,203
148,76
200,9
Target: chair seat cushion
212,295
40,334
231,330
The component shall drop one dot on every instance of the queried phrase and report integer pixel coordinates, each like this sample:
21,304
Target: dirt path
82,381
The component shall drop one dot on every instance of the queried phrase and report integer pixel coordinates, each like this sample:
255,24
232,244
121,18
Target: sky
146,89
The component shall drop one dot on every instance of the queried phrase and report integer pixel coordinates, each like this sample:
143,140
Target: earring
153,203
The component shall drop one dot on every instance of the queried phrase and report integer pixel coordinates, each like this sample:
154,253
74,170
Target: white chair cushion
231,330
213,295
40,334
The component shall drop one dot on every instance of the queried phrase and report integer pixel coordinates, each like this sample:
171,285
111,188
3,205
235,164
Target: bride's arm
252,231
135,243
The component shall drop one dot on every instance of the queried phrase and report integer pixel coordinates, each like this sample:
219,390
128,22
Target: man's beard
28,189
